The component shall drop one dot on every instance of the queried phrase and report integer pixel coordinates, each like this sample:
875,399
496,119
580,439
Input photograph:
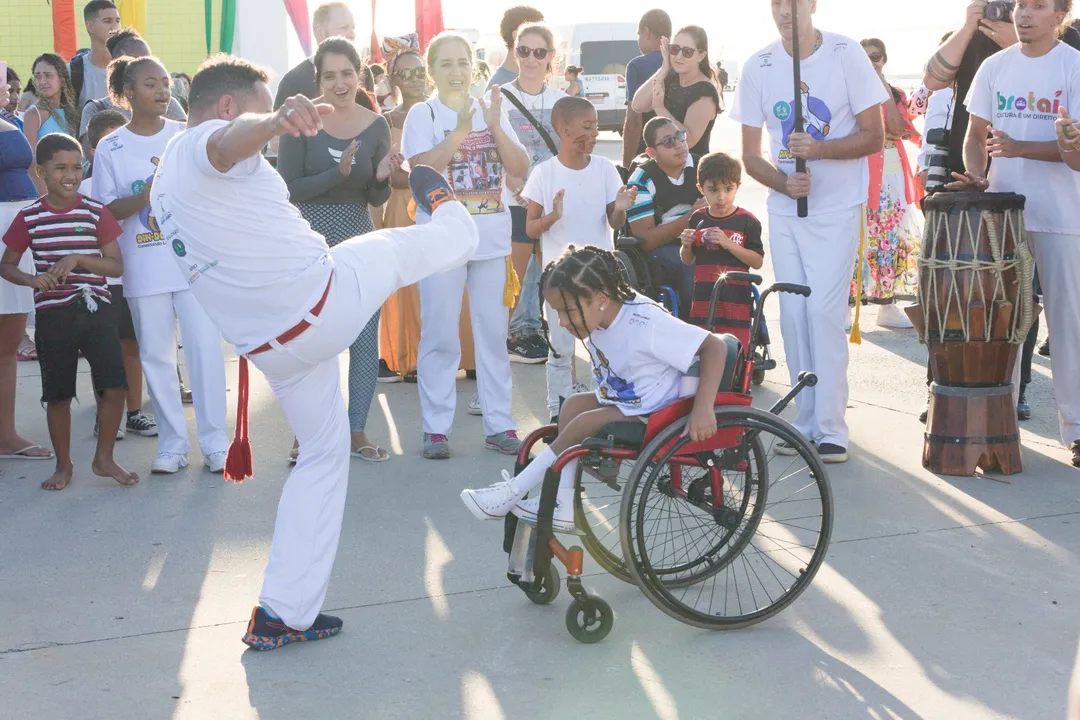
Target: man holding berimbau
840,96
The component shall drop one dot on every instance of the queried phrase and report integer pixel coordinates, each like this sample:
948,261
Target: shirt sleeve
643,207
674,342
633,79
534,186
89,110
980,97
418,134
201,141
753,236
863,84
746,109
612,181
103,179
17,236
107,228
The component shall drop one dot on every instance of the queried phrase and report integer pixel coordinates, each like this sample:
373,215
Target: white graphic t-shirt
475,171
1020,96
640,359
838,83
586,196
252,262
123,163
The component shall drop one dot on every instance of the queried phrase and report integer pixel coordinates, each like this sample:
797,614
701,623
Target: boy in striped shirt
73,242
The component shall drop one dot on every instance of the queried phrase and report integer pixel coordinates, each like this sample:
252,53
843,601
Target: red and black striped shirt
712,261
51,234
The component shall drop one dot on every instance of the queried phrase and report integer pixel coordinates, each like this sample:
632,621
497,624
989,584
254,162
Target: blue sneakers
429,188
268,633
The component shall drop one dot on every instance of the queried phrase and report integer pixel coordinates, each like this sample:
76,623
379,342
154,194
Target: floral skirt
893,240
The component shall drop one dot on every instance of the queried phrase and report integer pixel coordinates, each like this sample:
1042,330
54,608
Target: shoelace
439,438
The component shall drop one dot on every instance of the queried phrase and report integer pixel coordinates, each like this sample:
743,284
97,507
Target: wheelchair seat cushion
628,434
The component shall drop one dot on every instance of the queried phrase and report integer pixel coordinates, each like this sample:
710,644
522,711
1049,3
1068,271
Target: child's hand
557,204
44,282
625,198
687,237
61,269
702,423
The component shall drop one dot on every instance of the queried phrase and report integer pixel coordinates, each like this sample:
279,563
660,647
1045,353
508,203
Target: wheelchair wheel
596,512
589,620
727,565
550,585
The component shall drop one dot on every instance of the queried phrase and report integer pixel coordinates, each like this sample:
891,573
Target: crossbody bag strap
529,116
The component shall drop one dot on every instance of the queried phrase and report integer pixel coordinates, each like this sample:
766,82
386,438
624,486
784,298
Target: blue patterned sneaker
265,632
429,188
505,442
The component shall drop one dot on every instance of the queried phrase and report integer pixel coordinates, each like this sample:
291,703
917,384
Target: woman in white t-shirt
473,142
154,286
639,354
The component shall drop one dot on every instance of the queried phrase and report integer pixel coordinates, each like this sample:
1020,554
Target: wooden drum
976,307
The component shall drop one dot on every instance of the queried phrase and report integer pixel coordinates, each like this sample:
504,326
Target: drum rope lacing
1022,262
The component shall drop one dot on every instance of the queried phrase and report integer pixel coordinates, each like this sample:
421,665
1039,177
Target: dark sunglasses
687,52
538,53
670,142
410,74
875,56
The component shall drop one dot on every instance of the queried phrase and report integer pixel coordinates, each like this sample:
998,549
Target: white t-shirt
123,163
253,263
86,189
475,172
838,83
640,359
585,200
1020,96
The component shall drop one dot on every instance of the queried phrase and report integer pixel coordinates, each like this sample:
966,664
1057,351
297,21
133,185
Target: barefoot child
574,198
722,238
639,355
73,243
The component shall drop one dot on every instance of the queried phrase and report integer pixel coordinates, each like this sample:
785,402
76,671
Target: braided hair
583,272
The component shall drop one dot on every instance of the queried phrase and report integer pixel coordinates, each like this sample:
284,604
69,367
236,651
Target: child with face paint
575,198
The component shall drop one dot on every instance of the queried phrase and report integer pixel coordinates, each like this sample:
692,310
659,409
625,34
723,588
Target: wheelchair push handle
793,288
734,276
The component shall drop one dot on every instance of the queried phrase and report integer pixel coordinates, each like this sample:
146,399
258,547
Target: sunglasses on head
687,52
410,74
538,53
875,57
671,142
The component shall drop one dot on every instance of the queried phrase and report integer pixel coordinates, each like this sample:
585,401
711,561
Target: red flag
376,54
429,22
65,42
301,21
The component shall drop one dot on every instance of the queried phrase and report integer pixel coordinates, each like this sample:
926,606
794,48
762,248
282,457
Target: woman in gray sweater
333,177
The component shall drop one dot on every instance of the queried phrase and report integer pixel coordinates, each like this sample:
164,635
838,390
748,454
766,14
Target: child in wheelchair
721,238
640,354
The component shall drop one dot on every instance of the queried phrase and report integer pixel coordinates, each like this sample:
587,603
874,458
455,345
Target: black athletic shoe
267,633
386,375
1023,410
429,188
1044,349
524,350
830,453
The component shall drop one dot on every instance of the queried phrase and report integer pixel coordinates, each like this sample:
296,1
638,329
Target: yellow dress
399,326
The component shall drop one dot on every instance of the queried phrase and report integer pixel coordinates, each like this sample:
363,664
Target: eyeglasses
875,57
672,141
687,52
410,74
538,53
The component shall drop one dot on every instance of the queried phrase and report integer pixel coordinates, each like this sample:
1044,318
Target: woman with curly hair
56,109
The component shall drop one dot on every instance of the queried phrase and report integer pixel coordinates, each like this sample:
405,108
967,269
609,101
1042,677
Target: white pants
560,370
1058,260
817,251
440,345
304,377
155,319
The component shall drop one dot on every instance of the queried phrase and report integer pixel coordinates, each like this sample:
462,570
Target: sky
736,28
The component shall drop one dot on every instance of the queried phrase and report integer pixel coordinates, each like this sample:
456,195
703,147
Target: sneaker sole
787,451
556,526
391,379
159,471
476,412
520,359
475,509
436,454
143,433
834,459
267,642
500,450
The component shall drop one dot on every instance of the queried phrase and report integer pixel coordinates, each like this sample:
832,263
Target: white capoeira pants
304,377
560,370
155,319
440,345
1058,260
817,251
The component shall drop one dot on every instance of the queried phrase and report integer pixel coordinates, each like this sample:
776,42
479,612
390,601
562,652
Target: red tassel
238,464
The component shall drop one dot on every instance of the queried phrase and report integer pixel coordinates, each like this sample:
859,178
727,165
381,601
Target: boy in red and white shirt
73,242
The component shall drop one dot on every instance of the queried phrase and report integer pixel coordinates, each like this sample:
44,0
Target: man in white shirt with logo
1017,96
841,95
290,305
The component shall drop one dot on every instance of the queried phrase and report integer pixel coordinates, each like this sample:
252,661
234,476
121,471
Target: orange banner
65,41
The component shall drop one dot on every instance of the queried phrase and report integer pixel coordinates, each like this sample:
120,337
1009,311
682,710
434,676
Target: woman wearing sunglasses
399,329
683,89
893,220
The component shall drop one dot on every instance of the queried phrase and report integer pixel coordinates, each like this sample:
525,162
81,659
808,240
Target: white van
602,50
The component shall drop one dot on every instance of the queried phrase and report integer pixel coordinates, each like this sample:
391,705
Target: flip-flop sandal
21,454
28,354
380,454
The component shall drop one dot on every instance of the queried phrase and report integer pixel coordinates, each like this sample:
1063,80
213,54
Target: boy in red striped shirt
73,242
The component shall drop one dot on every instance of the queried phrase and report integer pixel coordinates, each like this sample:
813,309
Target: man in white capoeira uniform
290,305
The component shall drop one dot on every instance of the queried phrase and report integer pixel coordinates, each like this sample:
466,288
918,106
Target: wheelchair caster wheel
758,377
589,620
549,588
